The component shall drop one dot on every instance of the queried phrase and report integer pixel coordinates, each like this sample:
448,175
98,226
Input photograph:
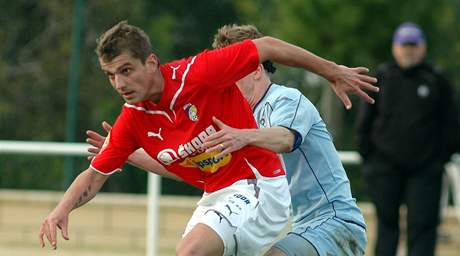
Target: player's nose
119,83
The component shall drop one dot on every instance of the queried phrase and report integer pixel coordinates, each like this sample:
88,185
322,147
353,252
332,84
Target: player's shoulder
175,69
435,69
280,92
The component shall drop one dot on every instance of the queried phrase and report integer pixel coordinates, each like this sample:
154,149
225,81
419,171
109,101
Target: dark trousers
390,186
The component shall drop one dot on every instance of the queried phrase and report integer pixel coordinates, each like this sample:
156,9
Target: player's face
132,79
409,55
254,85
246,86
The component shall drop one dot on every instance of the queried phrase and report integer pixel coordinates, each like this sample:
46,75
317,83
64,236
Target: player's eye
110,76
126,71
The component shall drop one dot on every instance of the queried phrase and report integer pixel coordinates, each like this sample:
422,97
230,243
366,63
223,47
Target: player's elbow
266,47
287,145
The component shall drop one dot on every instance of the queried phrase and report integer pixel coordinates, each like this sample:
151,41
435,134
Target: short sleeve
223,67
293,111
119,144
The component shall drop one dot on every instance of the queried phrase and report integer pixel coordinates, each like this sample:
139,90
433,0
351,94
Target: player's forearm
281,52
143,161
82,190
277,139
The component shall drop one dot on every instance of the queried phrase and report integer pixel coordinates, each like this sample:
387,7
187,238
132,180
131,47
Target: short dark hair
123,38
230,34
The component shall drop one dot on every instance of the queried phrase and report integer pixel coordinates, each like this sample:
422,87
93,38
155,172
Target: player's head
409,46
230,34
125,55
254,85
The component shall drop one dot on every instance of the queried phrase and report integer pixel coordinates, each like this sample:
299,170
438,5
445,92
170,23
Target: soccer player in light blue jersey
326,219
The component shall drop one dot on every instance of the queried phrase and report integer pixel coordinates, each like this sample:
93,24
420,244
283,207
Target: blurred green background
36,49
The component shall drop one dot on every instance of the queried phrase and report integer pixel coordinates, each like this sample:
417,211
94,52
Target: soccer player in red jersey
168,112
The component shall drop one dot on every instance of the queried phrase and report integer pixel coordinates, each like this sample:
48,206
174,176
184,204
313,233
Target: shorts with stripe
332,236
248,215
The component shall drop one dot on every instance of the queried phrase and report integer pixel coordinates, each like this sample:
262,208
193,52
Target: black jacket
414,119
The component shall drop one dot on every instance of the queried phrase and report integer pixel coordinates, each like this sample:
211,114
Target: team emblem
191,111
423,91
264,116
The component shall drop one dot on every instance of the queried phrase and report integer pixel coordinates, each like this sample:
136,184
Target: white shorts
247,215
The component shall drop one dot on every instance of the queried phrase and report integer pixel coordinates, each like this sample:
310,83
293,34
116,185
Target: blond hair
230,34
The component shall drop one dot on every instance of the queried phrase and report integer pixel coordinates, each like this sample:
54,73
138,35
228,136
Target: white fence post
153,194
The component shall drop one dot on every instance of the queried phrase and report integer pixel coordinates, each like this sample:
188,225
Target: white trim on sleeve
103,173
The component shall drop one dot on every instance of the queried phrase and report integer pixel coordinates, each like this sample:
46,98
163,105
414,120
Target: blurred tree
355,34
35,46
35,49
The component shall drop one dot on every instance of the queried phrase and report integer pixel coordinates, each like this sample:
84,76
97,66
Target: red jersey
172,131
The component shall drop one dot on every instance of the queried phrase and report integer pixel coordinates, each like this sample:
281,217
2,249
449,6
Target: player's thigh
275,252
292,245
270,219
224,214
330,236
194,244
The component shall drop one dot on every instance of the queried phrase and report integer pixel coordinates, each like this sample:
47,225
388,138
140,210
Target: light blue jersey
320,189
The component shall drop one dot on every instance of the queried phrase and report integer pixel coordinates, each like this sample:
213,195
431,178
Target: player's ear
152,61
258,72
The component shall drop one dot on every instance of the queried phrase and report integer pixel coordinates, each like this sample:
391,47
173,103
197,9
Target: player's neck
157,89
259,92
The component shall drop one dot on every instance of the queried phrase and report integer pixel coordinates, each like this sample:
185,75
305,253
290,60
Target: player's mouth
128,94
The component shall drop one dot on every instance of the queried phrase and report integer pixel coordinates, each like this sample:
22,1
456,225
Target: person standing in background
405,139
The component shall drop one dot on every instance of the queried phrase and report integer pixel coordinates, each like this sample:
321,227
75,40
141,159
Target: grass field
114,225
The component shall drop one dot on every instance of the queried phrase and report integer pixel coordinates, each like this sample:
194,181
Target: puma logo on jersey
174,71
155,134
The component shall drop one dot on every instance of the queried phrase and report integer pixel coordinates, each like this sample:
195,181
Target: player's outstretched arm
138,158
143,161
83,189
229,139
343,79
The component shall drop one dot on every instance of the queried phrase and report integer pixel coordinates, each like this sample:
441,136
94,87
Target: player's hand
48,228
354,80
227,140
96,140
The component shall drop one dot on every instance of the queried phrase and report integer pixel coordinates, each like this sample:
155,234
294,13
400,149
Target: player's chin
132,100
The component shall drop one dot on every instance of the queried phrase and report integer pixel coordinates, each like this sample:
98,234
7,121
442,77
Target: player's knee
275,252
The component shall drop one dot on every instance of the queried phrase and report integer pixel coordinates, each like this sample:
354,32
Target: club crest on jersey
264,116
191,111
